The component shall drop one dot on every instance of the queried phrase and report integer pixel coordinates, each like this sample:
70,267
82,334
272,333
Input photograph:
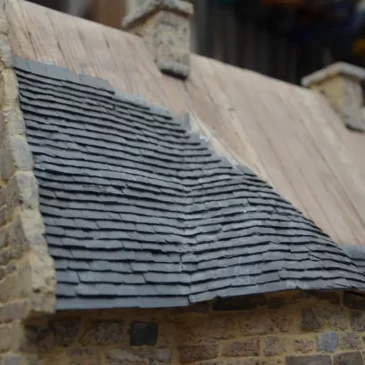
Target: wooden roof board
286,134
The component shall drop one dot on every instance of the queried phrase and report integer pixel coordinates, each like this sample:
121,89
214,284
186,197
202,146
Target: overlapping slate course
140,212
357,254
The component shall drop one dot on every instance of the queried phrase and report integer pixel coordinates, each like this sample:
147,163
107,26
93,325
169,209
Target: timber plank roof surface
288,135
140,212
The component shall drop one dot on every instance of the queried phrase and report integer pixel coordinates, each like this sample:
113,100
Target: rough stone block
197,353
23,276
308,360
21,190
12,122
257,361
43,283
328,341
158,356
16,284
17,239
5,256
354,301
272,361
333,317
275,302
4,27
89,356
304,345
251,325
26,231
4,237
309,320
8,289
167,35
11,360
22,155
214,362
5,337
351,341
76,356
282,320
6,56
14,310
210,330
3,216
358,321
104,333
239,303
274,346
55,334
248,347
9,89
332,298
2,194
143,334
15,155
348,358
2,273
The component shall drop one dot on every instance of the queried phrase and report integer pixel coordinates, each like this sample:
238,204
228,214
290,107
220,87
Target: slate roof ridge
132,227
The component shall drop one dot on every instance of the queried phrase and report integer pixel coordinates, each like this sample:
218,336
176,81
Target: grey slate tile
110,277
78,265
67,277
21,64
103,265
59,253
66,290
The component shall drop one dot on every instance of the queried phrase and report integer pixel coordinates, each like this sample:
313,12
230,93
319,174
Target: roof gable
139,212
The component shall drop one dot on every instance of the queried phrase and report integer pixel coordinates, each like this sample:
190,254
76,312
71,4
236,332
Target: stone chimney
340,83
165,27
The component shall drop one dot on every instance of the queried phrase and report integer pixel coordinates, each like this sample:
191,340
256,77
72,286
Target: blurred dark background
284,39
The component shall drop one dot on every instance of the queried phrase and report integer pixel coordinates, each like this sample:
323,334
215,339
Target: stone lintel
337,69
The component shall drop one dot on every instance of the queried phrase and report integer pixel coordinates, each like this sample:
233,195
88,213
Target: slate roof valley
140,212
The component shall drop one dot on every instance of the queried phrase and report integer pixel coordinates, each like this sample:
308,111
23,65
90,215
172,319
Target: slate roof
139,212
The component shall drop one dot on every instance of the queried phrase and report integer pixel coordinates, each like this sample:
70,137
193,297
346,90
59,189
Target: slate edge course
357,254
20,191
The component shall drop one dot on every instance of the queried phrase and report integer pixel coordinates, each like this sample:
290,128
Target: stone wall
103,337
27,284
296,329
290,329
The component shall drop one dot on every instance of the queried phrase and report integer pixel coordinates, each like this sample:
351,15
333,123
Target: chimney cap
151,6
339,68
